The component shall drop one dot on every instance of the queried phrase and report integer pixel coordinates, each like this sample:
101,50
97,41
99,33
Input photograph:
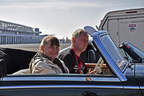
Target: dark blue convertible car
119,78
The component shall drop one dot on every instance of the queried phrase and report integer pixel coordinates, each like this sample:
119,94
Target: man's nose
56,49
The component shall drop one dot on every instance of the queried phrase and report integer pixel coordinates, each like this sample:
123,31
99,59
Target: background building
12,33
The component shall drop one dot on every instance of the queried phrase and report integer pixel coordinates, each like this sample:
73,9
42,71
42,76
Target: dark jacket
72,61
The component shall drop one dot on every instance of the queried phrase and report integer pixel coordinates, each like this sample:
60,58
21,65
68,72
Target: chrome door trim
69,86
131,87
142,87
48,78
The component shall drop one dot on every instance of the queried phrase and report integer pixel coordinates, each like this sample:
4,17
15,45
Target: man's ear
73,39
42,48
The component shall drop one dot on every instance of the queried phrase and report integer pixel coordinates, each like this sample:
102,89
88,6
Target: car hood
136,70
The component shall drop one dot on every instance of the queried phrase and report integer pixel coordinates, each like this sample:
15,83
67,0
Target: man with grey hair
72,56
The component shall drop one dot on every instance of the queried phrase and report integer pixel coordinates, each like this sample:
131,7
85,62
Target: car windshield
126,55
113,52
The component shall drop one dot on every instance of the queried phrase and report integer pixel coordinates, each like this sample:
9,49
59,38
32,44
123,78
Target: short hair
53,41
79,32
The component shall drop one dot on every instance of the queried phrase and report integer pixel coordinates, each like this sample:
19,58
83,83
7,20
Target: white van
125,25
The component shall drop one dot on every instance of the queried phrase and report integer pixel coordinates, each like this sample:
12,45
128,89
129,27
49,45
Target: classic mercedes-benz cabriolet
115,76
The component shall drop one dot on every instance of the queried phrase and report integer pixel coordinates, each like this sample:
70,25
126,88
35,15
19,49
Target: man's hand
92,71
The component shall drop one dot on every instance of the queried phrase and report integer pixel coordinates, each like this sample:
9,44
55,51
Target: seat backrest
2,63
17,59
91,56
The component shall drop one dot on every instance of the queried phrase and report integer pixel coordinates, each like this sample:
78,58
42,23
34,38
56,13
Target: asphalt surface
28,47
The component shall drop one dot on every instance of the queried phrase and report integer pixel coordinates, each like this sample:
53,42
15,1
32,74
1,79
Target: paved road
28,47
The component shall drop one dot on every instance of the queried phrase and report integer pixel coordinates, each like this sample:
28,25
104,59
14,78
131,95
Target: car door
62,85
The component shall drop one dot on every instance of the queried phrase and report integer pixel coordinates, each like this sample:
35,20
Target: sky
61,17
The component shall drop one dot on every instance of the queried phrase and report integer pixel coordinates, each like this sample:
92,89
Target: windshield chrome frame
96,38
